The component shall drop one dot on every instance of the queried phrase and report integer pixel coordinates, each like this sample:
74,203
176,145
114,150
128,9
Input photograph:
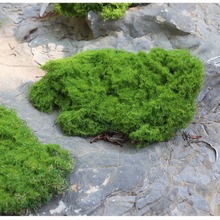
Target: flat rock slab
169,178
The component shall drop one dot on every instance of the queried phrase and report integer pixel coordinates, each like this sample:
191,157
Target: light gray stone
217,198
26,31
161,207
150,198
28,12
200,203
189,175
181,152
155,173
144,211
118,205
187,209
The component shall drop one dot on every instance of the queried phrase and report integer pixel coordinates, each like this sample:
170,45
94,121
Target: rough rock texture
169,178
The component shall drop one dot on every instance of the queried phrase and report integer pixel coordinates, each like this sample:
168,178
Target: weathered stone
38,57
181,152
28,12
189,175
144,211
172,194
26,31
51,46
153,194
200,203
93,20
142,22
118,205
153,197
187,209
155,173
162,207
43,9
205,179
59,209
182,42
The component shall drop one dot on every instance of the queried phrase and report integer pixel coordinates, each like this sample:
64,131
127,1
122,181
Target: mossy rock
109,11
145,97
30,172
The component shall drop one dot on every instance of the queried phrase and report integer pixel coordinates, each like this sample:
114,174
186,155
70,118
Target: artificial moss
30,172
107,10
145,97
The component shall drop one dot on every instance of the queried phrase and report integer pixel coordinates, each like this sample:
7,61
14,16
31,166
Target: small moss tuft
146,97
30,172
109,11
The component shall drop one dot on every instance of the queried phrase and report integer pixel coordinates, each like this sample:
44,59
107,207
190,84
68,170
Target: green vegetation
107,10
30,172
146,97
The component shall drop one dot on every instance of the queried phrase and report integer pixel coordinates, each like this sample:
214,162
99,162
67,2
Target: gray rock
186,209
150,198
39,57
93,20
181,152
155,173
217,198
182,42
43,9
137,23
144,211
172,194
153,194
118,205
200,203
26,31
28,12
189,175
162,207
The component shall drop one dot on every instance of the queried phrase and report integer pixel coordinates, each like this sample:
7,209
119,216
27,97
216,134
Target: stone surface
118,205
168,178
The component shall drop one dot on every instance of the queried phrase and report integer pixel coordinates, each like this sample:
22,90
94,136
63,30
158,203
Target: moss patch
30,172
107,10
146,97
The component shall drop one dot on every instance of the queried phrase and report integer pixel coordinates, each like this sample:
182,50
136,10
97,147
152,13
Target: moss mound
146,97
30,173
107,10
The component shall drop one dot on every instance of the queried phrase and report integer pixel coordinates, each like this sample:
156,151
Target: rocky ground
169,178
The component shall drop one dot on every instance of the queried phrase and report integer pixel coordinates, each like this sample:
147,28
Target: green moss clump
30,172
108,10
146,97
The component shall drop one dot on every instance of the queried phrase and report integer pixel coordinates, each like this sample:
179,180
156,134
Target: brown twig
48,15
12,48
106,137
211,147
195,139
